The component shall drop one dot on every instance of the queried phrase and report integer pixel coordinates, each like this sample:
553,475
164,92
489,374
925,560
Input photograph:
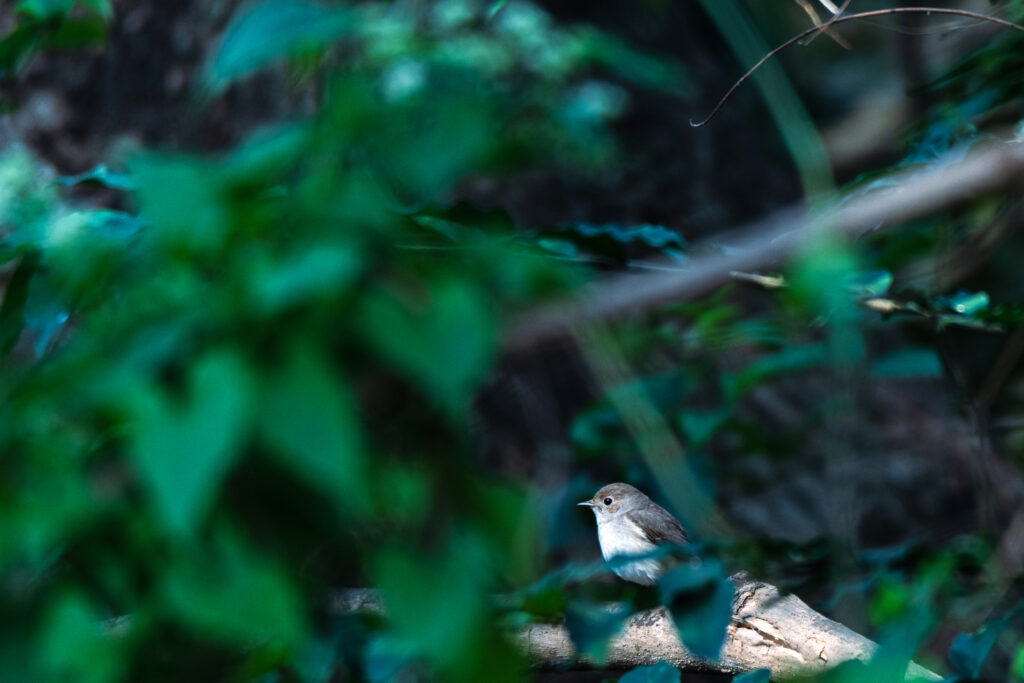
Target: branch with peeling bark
999,167
768,630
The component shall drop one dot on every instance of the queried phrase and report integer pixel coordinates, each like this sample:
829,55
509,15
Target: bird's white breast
620,536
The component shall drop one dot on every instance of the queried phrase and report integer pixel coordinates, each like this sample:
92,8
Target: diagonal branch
995,168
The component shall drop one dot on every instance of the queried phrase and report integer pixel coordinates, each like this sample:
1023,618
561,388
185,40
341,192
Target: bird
630,523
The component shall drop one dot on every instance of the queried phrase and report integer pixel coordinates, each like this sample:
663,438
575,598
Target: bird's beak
588,503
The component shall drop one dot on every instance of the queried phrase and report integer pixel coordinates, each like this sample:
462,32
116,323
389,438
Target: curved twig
824,27
839,19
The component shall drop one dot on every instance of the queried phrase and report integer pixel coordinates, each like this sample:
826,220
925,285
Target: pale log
768,630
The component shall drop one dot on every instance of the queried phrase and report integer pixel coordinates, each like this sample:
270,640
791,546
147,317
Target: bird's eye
607,501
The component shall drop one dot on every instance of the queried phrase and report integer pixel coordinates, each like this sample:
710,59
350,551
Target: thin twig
838,19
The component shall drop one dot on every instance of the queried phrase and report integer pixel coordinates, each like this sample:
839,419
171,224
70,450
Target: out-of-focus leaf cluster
255,385
51,25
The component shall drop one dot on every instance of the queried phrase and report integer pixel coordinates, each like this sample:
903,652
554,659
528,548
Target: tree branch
947,183
768,630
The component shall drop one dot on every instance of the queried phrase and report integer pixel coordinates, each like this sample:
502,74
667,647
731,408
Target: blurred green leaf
438,605
236,596
908,363
545,600
898,641
17,45
609,239
968,651
74,646
495,8
184,200
662,672
272,30
1017,664
12,310
964,303
594,429
755,676
699,596
445,345
422,153
44,9
699,426
560,247
183,449
636,66
311,420
101,7
591,625
869,283
818,282
787,361
318,271
850,671
102,175
75,33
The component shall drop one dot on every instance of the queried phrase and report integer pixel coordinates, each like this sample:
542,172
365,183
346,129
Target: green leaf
591,625
655,236
700,426
700,600
74,647
316,271
1017,664
12,310
637,66
73,34
755,676
789,360
908,363
183,199
964,303
100,7
16,45
270,31
237,597
445,346
44,9
184,451
662,672
563,248
439,608
593,430
102,175
968,651
310,418
495,7
869,283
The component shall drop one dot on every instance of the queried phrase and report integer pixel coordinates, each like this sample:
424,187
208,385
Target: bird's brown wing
659,526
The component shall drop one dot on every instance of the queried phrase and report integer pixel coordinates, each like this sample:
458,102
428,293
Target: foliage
255,381
51,24
661,672
256,387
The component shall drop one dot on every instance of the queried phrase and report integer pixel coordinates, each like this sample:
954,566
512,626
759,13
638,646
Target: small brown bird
630,523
